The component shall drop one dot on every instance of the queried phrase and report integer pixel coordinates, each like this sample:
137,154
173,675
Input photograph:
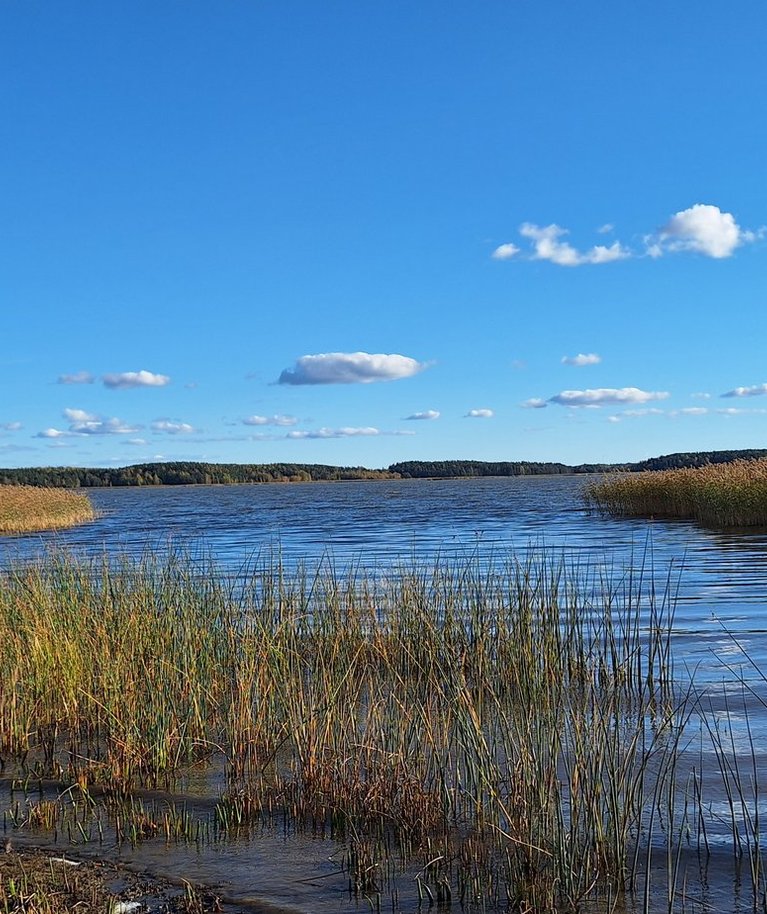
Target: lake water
720,579
721,575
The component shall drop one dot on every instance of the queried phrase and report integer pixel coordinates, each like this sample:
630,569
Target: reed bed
720,495
29,509
510,727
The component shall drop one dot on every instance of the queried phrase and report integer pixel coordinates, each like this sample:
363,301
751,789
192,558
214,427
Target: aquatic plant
491,721
721,495
26,509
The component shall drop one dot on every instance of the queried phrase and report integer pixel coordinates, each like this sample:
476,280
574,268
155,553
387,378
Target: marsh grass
28,509
502,726
720,495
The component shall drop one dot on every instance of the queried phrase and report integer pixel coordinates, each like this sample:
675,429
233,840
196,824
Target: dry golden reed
719,495
28,509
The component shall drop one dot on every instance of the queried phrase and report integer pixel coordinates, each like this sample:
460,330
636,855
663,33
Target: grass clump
29,509
487,724
718,495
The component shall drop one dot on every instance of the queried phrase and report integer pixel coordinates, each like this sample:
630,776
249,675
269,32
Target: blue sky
358,233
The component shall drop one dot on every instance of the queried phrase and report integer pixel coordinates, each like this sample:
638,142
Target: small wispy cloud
479,414
605,229
588,358
136,442
606,395
505,251
171,427
350,368
535,403
689,411
270,420
757,390
346,432
11,426
701,229
79,377
127,379
426,415
740,411
700,396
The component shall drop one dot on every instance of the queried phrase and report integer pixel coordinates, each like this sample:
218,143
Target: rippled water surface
719,579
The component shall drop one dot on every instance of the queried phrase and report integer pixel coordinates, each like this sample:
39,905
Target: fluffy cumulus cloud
82,423
350,368
170,427
427,414
270,420
479,414
143,378
757,390
79,377
703,229
548,245
606,395
589,358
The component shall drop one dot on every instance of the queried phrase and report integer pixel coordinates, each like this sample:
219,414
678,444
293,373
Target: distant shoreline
174,473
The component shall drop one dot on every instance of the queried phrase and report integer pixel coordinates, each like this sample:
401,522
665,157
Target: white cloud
136,442
82,423
758,390
740,411
638,413
141,378
350,368
606,228
535,403
589,358
172,428
690,411
347,432
505,251
548,246
270,420
479,414
79,377
11,426
79,415
602,395
703,229
700,396
427,414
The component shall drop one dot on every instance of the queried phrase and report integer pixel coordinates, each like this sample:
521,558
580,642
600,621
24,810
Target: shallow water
719,580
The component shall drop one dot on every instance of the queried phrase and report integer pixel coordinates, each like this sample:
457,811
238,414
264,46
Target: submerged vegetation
26,509
510,732
724,495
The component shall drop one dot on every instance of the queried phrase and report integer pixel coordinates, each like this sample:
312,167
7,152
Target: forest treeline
174,473
179,473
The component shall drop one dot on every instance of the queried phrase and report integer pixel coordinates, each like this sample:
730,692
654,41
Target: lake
719,579
721,575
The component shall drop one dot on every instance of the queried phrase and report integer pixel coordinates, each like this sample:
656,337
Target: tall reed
27,509
503,723
722,495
